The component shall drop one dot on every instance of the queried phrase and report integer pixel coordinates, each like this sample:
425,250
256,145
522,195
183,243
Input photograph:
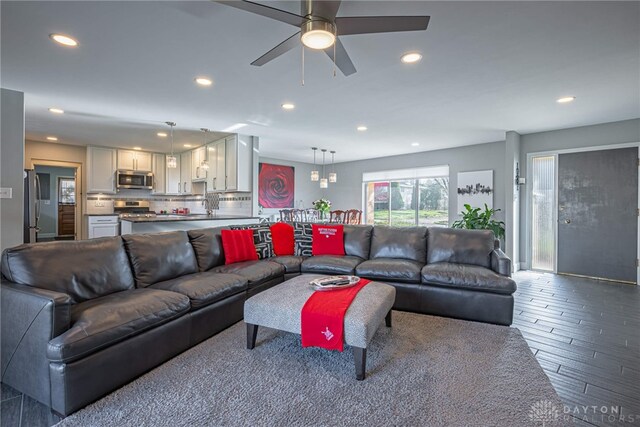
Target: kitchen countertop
102,214
192,217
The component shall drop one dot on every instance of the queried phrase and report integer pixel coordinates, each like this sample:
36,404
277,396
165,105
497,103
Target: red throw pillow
283,239
238,246
328,240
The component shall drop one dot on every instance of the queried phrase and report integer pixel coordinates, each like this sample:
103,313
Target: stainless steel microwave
135,180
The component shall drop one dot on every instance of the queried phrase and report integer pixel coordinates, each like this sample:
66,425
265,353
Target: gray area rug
424,371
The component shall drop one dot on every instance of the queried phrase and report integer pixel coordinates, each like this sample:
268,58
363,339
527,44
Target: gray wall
305,191
566,139
347,192
12,161
49,213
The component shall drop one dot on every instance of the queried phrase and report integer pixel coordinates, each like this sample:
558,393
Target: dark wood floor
584,333
586,336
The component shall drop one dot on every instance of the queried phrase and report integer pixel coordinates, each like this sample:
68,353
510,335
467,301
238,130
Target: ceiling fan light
318,35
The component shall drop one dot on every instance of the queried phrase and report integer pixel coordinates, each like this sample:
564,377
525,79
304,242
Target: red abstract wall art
276,186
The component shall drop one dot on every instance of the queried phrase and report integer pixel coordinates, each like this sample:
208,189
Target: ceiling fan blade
283,47
349,25
327,9
269,12
342,58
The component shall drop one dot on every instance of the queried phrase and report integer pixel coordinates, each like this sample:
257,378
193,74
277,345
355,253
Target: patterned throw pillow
303,234
261,239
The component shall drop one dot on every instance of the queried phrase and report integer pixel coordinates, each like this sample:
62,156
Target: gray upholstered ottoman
279,308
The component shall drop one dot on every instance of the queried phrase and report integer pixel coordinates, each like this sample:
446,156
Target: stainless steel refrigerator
31,205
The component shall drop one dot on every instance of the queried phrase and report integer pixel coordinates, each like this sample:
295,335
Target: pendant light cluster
172,161
315,173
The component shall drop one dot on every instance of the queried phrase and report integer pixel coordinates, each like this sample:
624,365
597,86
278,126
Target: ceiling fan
320,28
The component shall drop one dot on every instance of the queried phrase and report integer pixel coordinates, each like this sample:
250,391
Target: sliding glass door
408,202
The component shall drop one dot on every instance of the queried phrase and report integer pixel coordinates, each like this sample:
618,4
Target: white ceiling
488,67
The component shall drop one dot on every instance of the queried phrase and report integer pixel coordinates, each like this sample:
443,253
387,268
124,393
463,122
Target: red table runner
323,317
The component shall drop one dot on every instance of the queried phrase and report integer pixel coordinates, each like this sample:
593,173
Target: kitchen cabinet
230,164
103,226
185,172
211,173
134,160
159,169
173,185
101,170
199,171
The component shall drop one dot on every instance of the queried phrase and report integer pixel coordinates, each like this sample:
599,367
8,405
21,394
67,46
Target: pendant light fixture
172,161
323,182
315,175
204,163
333,176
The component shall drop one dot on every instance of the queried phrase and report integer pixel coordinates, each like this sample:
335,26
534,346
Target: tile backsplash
228,203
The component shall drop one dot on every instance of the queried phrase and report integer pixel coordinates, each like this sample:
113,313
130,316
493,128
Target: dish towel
323,317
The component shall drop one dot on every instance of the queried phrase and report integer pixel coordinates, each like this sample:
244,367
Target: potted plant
477,219
323,206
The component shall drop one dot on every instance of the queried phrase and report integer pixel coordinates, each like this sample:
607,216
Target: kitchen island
161,223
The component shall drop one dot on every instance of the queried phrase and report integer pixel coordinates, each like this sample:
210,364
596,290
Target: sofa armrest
500,263
30,317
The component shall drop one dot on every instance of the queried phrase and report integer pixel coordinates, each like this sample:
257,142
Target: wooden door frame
529,207
79,191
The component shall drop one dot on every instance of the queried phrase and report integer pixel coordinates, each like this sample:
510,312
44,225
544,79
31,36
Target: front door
597,214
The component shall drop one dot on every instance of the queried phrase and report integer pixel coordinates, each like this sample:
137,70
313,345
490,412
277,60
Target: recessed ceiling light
411,57
63,40
362,128
137,148
203,81
288,106
187,145
56,110
162,134
52,138
415,144
565,99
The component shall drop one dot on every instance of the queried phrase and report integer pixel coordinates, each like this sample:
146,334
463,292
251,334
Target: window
67,191
543,196
405,198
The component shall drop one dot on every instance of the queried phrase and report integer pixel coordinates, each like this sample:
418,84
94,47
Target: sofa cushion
303,235
393,270
329,264
328,239
455,245
83,269
464,276
357,240
238,246
104,321
291,263
283,239
160,256
256,272
396,242
204,288
262,239
207,245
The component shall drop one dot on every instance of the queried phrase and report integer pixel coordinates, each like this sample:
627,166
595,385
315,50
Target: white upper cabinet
185,172
173,184
159,168
230,164
134,160
101,170
199,171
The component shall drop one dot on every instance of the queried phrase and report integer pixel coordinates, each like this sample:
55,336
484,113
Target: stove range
133,209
